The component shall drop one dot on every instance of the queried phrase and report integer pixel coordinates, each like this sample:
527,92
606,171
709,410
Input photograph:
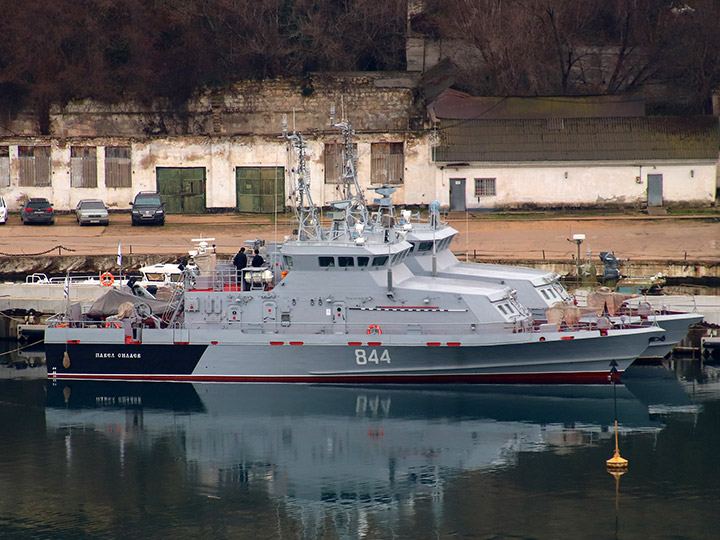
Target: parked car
148,208
90,211
3,211
37,210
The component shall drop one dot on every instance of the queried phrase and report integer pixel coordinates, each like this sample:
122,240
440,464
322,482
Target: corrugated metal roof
579,139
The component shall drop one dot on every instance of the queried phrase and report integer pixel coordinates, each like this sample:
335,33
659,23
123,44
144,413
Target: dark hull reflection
541,404
326,451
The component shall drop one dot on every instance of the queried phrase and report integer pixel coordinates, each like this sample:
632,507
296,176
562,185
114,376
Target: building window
83,167
34,166
485,187
4,166
334,156
117,166
388,163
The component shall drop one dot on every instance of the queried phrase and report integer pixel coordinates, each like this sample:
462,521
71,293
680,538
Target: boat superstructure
539,290
346,308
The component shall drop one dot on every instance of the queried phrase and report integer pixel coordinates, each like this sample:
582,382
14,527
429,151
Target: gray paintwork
344,304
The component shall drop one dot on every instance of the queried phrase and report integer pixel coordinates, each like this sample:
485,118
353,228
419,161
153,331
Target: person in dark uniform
240,262
257,260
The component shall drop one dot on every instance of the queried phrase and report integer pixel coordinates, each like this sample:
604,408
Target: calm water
117,460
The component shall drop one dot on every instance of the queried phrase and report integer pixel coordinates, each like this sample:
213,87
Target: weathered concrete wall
220,156
374,102
240,127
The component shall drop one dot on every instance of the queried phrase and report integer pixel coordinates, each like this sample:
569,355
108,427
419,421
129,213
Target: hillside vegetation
111,50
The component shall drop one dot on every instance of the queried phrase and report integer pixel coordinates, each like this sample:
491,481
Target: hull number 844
363,357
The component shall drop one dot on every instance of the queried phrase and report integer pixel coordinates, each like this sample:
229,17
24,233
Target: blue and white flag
119,260
66,288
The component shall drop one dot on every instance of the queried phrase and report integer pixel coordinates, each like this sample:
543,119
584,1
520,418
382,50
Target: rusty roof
579,139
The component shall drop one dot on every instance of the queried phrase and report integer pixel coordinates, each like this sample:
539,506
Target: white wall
589,184
585,185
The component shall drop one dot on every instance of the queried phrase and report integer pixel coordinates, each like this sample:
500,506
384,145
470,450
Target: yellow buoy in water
616,463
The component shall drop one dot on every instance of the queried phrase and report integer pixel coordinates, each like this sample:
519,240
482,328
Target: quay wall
17,268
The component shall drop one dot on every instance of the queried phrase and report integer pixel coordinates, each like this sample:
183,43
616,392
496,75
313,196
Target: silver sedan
90,211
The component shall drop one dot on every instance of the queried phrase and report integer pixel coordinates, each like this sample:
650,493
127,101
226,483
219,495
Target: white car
3,211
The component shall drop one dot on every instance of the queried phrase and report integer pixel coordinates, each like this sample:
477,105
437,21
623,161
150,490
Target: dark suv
149,208
37,210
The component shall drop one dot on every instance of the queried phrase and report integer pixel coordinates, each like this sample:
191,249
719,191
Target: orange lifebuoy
107,279
112,324
374,329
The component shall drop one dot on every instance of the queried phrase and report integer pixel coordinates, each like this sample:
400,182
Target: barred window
117,166
4,166
485,187
334,156
83,167
34,166
388,163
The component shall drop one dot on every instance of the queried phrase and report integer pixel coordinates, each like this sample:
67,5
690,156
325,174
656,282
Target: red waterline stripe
297,343
213,343
408,307
374,343
181,343
73,341
277,343
354,343
595,377
433,344
565,338
453,343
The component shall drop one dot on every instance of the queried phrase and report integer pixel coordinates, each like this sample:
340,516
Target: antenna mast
354,204
309,226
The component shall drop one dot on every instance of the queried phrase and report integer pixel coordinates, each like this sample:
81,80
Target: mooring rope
22,347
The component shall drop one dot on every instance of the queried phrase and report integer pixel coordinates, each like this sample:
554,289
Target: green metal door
182,189
260,189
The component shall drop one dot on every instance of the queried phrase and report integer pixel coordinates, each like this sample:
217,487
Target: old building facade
224,152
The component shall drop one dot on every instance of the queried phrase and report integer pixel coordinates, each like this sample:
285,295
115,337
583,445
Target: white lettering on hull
362,358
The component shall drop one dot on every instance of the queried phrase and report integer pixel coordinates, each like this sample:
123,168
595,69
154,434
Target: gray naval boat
539,290
336,305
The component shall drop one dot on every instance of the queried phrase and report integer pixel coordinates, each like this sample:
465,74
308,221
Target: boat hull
676,327
231,356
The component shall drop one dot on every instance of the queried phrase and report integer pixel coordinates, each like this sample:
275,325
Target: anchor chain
59,248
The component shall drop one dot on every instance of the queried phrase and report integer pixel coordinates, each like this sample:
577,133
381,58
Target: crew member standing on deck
257,260
240,262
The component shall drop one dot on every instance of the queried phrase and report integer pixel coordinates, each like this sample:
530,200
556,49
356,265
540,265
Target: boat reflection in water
346,452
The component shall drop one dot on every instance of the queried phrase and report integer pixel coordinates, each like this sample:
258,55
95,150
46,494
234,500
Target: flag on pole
66,288
119,259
